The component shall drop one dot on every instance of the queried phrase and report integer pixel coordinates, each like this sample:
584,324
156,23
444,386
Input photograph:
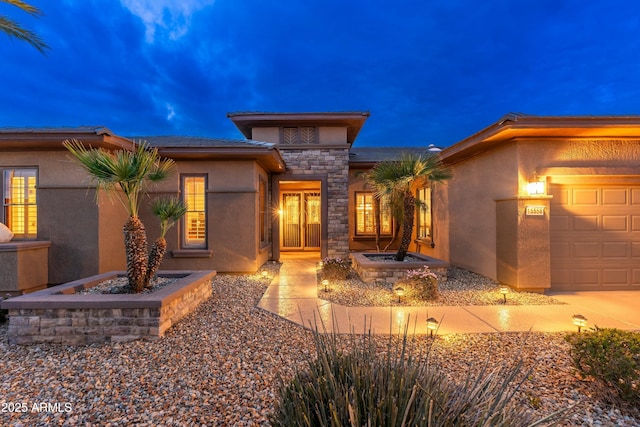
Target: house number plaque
534,210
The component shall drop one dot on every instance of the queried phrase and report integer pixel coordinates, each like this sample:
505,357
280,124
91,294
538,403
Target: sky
427,71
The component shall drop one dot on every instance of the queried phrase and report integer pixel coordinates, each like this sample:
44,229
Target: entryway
300,216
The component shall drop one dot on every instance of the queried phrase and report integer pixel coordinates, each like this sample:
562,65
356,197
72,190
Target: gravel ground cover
219,367
462,287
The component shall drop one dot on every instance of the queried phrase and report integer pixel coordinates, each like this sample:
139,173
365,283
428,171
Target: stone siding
87,320
334,163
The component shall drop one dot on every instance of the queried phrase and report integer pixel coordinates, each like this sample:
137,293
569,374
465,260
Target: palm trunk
135,243
158,249
407,226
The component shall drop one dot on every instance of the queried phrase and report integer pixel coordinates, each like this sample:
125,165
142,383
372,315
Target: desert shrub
610,355
421,283
353,382
335,268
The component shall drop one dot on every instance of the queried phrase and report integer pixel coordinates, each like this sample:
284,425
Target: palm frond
13,29
168,211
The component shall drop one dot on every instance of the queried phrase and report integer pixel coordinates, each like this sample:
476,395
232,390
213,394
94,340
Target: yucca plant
168,211
126,174
394,181
350,382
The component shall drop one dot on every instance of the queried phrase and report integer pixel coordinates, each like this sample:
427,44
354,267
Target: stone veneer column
334,163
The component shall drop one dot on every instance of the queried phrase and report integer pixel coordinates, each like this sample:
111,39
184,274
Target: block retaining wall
57,315
388,273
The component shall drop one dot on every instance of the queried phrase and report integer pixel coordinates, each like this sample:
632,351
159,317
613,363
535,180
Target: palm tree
13,29
127,174
394,181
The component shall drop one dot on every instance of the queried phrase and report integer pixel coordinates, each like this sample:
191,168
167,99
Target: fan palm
168,211
393,182
13,29
126,175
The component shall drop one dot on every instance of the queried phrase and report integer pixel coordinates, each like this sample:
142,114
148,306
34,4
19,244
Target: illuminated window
423,218
365,215
195,220
19,199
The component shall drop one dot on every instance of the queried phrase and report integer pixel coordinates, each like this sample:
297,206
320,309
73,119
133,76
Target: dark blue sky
430,71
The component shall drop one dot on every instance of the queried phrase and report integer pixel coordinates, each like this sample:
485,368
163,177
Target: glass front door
300,220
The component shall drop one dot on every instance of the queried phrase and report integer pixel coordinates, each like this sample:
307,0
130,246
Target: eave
269,158
51,139
517,127
353,121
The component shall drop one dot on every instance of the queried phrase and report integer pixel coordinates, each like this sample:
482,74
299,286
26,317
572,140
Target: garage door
595,237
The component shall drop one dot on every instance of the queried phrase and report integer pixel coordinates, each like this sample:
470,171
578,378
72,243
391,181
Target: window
299,135
20,208
423,219
195,220
365,215
262,195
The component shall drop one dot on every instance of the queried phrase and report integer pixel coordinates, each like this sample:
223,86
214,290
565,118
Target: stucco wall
86,237
233,218
472,192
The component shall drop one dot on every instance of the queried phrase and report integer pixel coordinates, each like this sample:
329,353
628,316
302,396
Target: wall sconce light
399,290
536,186
504,291
325,283
432,325
579,320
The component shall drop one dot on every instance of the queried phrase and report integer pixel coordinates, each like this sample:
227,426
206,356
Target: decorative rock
5,233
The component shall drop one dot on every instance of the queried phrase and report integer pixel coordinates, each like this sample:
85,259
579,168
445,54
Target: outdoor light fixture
579,320
504,291
535,186
432,325
320,264
399,291
325,283
265,273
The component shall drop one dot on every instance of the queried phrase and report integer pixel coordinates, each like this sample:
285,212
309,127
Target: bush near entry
335,268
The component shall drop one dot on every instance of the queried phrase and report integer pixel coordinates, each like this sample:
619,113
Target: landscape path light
504,291
432,325
579,320
325,283
265,273
399,290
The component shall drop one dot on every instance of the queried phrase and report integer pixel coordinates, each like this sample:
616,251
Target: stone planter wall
373,271
59,315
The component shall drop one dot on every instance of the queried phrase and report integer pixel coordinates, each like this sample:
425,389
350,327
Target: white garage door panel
595,237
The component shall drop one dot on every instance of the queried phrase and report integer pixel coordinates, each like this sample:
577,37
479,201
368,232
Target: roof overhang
269,157
353,121
518,127
12,139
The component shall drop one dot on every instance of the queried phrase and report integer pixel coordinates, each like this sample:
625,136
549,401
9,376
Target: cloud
172,18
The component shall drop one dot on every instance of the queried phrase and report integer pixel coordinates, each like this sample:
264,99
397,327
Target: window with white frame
194,222
19,202
365,214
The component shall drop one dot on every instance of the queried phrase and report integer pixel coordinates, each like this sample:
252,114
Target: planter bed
372,269
61,315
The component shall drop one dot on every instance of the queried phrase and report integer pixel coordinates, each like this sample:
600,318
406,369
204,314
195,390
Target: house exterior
538,203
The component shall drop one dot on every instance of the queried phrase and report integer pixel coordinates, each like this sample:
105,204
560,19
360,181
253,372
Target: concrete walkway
293,295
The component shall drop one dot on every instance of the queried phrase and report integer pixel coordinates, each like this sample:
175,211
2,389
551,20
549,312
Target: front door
300,220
